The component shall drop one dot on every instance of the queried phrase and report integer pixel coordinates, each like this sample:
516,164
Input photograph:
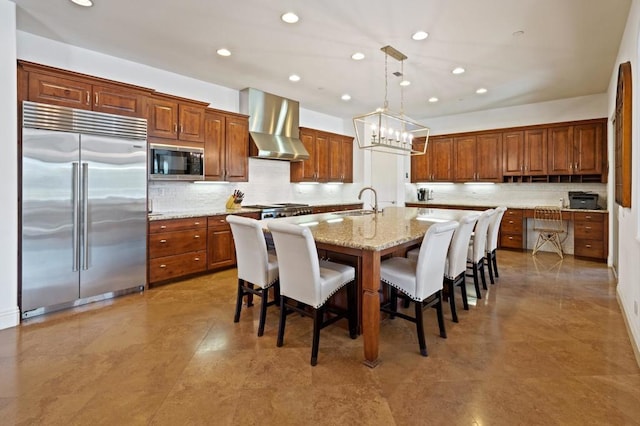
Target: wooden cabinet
59,87
576,149
524,153
330,158
478,158
340,158
226,146
175,118
177,247
436,165
221,252
590,235
512,229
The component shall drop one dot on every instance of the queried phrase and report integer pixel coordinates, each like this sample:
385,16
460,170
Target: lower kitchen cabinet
177,247
590,235
511,229
220,249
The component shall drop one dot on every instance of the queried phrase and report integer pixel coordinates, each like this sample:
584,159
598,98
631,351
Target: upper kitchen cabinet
436,165
65,88
478,158
316,167
226,146
171,117
340,158
577,149
524,153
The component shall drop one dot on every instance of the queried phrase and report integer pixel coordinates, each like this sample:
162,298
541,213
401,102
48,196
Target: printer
583,200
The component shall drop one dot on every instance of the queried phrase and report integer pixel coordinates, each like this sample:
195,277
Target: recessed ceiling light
405,83
294,77
458,70
433,99
85,3
358,56
223,52
290,18
346,97
420,35
481,90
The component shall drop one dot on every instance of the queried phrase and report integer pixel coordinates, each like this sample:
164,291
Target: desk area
367,237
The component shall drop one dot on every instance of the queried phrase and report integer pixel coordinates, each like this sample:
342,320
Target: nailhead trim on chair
332,293
401,290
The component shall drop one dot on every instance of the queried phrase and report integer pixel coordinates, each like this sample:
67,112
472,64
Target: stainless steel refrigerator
83,204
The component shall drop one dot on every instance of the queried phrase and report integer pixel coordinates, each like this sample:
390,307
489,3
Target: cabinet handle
587,227
88,98
163,226
196,236
95,99
181,128
510,221
175,127
511,238
163,266
196,259
588,245
163,241
196,223
588,217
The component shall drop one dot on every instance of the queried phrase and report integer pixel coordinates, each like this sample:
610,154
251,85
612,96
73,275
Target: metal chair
547,220
256,266
306,280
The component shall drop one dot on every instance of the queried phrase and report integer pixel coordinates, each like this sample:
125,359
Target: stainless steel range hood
273,125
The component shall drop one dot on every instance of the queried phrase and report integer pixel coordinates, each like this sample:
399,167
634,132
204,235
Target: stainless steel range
268,211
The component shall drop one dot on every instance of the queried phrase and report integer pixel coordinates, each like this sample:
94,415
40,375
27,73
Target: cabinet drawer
589,248
164,268
177,224
589,230
511,241
511,225
588,217
171,243
218,222
513,214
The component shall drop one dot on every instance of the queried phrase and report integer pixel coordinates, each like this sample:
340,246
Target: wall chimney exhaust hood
273,126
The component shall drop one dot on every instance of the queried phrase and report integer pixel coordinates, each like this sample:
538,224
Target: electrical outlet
635,307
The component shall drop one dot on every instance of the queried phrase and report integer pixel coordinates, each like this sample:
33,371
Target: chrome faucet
375,197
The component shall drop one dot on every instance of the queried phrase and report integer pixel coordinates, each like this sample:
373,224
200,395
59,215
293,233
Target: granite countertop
511,206
389,228
182,214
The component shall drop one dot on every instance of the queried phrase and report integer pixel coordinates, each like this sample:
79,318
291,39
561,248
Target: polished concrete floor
546,345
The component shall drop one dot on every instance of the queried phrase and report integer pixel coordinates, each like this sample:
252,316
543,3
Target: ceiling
568,47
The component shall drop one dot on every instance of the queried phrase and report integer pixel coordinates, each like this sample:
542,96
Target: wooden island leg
371,306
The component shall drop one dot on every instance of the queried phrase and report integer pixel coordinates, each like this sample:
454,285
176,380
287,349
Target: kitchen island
367,237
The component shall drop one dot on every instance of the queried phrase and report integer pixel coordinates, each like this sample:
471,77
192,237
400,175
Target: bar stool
477,250
309,281
256,266
420,280
492,243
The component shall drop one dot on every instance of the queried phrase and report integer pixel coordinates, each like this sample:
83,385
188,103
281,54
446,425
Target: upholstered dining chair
477,250
256,266
492,243
456,263
420,280
306,280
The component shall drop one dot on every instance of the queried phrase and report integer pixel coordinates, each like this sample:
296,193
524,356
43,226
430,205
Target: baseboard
634,343
9,318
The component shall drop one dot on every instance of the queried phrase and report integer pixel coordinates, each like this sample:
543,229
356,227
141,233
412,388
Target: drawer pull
511,221
163,226
511,238
196,259
163,241
196,223
587,217
588,245
587,227
196,236
163,266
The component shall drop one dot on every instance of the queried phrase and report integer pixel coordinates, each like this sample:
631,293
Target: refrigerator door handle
85,216
75,190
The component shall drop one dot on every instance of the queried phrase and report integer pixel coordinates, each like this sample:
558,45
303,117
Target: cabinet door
214,146
513,154
488,158
322,157
237,156
587,149
163,119
420,167
49,89
220,249
305,170
464,159
561,150
335,159
191,121
535,152
114,100
440,159
347,159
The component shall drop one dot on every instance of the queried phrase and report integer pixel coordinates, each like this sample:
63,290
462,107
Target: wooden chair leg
490,267
452,300
236,317
283,319
249,295
463,287
476,281
353,309
393,300
443,332
495,264
263,311
420,329
317,325
481,272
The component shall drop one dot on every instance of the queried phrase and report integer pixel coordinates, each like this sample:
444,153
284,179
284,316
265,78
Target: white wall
9,315
629,232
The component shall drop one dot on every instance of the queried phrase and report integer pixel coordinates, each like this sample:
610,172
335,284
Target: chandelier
386,131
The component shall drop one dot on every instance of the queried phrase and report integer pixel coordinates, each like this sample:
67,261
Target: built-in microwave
171,162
